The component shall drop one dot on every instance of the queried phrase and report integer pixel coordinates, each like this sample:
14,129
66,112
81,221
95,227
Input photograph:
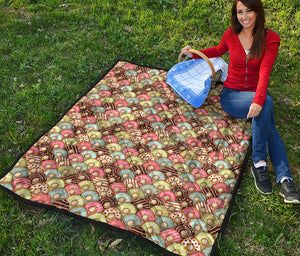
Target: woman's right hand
185,51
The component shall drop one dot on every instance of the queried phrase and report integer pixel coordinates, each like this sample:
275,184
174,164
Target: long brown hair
259,27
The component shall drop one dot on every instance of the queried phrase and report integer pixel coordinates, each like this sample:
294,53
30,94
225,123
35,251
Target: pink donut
215,99
73,189
110,139
128,66
216,156
161,107
95,103
220,123
143,97
21,183
143,180
124,82
58,144
170,236
122,164
118,188
67,134
194,142
236,147
152,166
128,152
192,187
74,109
221,188
33,151
131,125
143,76
146,216
240,136
154,118
191,213
112,113
104,94
42,198
180,119
215,203
50,164
89,120
215,135
201,112
160,84
246,137
150,137
199,173
173,129
76,158
97,172
121,103
176,159
118,224
93,207
83,146
167,196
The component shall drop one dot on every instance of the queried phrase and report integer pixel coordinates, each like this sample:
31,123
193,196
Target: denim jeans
265,138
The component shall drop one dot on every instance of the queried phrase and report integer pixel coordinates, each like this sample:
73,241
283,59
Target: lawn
53,51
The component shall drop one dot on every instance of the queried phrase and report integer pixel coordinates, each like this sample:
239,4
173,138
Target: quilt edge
232,202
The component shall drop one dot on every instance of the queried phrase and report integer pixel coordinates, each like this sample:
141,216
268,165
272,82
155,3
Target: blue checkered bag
192,79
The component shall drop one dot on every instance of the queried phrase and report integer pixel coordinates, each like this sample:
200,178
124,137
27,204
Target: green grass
53,51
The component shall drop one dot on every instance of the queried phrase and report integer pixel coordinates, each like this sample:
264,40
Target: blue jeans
265,138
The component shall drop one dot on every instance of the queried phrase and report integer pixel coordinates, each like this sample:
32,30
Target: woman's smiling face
245,16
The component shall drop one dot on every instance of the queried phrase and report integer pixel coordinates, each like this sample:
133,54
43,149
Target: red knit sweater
246,75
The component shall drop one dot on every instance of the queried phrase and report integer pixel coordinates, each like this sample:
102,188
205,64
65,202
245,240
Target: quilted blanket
132,154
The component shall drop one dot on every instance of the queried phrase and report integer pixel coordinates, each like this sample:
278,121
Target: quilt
134,156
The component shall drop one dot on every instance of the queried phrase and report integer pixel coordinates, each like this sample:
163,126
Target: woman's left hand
254,110
185,50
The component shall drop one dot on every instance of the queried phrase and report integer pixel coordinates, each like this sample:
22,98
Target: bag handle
204,57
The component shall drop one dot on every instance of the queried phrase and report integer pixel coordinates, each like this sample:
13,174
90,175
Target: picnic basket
216,76
192,80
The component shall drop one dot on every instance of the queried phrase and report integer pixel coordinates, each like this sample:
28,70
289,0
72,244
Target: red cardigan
252,75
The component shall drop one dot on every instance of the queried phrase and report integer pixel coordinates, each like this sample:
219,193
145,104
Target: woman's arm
270,55
265,71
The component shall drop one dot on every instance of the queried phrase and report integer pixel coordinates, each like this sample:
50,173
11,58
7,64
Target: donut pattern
132,154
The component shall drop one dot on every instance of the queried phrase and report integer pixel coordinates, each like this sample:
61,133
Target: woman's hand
186,52
254,110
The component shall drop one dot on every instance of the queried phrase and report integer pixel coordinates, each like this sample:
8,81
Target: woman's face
245,16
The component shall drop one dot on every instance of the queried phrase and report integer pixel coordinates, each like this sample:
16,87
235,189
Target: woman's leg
277,153
236,104
265,137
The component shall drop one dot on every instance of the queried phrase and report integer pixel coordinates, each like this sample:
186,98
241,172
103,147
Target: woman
253,50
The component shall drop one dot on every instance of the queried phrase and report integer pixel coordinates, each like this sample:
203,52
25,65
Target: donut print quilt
132,154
